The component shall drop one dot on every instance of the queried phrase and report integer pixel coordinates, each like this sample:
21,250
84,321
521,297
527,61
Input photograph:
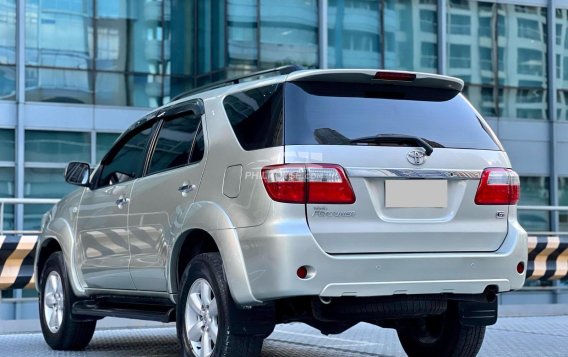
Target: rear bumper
273,253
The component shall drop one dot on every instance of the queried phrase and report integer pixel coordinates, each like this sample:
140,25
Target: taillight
311,183
498,186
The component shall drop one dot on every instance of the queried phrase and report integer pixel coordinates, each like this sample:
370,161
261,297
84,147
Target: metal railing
21,201
556,286
545,209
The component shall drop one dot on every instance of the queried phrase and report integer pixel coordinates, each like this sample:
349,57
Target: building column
553,137
551,64
322,26
20,109
442,36
19,133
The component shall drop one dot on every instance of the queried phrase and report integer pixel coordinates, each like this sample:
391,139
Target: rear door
406,201
160,200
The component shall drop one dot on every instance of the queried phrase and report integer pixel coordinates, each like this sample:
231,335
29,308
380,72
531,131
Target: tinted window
329,114
198,147
256,116
126,161
174,143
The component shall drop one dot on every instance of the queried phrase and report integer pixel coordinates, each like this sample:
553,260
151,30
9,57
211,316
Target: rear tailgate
370,226
406,201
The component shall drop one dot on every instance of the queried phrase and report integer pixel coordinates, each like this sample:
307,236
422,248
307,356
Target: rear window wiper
394,139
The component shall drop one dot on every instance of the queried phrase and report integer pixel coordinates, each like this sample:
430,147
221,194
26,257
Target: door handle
186,187
122,201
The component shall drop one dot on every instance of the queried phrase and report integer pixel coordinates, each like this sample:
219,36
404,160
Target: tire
55,301
204,285
441,336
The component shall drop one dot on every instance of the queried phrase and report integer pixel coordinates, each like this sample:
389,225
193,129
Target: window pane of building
354,34
104,143
139,90
7,82
561,50
460,56
460,24
562,100
242,28
55,146
199,45
472,51
288,33
111,88
483,98
130,35
405,38
58,85
182,37
534,192
7,190
563,201
148,90
7,145
505,48
525,64
7,32
42,183
211,36
59,33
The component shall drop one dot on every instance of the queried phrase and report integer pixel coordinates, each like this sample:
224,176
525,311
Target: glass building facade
75,73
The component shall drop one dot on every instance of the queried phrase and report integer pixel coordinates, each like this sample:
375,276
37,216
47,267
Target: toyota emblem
416,157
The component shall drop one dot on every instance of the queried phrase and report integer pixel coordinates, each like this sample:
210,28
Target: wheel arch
208,228
44,250
189,244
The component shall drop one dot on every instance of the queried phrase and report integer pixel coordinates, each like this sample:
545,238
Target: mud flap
473,313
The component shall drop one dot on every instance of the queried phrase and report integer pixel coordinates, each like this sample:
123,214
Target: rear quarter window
256,116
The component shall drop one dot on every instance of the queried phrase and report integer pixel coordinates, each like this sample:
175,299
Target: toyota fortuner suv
328,197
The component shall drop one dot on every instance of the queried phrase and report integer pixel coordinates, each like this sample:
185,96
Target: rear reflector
521,267
498,186
395,76
302,272
311,183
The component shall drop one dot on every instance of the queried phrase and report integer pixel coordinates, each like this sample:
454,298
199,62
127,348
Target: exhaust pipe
491,294
325,300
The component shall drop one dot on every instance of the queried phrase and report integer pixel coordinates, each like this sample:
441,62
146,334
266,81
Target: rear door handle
122,201
186,187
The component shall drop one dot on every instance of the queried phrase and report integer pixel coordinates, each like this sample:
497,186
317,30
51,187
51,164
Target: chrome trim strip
413,173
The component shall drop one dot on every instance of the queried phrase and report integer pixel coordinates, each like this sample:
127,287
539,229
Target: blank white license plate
416,193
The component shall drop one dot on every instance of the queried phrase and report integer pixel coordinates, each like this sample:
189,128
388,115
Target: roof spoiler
399,78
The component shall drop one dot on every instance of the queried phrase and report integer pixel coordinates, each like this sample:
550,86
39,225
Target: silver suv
327,197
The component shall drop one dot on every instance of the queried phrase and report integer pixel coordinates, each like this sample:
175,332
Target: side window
127,162
256,116
173,147
198,147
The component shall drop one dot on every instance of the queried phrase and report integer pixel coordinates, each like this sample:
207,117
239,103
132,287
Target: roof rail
279,70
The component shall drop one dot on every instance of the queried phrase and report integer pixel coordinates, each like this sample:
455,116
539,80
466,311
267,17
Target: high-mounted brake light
498,186
311,183
395,76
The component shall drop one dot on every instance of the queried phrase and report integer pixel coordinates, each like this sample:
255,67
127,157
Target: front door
103,252
160,200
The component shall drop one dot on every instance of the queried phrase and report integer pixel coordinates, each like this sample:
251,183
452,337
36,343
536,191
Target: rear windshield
339,114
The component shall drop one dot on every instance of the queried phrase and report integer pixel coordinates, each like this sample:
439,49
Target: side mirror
77,173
